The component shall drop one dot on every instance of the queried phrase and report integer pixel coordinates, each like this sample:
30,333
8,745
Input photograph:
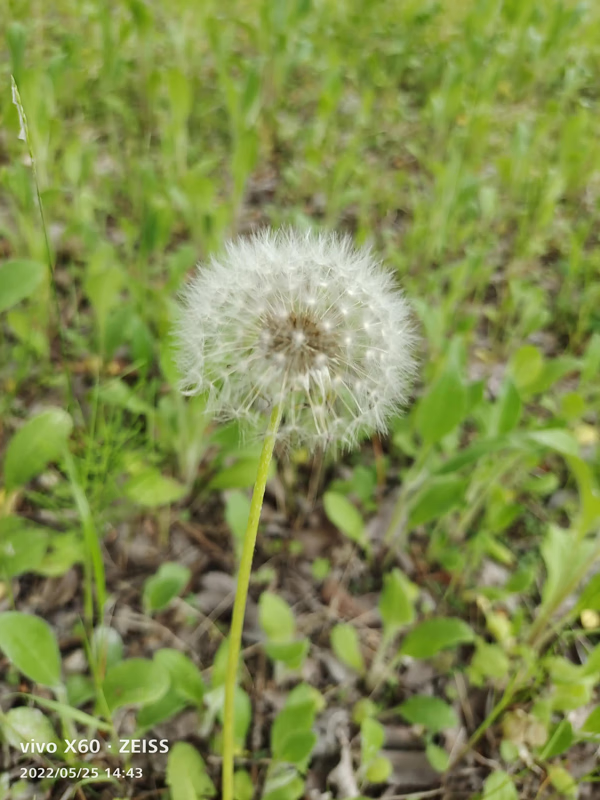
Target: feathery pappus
305,320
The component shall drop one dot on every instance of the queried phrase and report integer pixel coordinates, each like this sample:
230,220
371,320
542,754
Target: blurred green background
462,139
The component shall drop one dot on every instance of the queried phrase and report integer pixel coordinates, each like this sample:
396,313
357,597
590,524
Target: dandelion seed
297,319
16,98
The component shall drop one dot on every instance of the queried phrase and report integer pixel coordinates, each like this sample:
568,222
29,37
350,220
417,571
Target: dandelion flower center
303,342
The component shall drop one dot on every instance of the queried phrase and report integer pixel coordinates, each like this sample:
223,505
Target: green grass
463,140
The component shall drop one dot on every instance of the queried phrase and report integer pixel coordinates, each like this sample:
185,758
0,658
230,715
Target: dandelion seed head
304,320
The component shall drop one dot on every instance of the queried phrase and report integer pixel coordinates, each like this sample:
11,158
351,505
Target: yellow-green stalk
239,606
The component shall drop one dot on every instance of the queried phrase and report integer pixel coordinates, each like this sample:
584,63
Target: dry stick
239,606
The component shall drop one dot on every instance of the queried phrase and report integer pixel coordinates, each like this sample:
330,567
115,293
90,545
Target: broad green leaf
559,741
29,642
66,549
169,581
292,654
345,516
433,635
489,661
150,489
526,366
244,157
163,709
437,757
590,596
571,696
107,647
297,747
22,546
431,712
563,670
562,780
552,371
237,511
34,337
442,408
42,439
509,751
320,568
80,689
118,393
292,719
541,485
555,439
117,328
372,737
186,678
362,483
243,785
283,783
135,681
499,786
592,664
304,693
167,359
219,665
142,342
187,777
363,708
564,556
590,368
592,723
243,711
276,618
346,646
180,95
379,770
440,495
589,494
19,279
250,97
572,406
396,603
22,724
474,452
507,410
475,395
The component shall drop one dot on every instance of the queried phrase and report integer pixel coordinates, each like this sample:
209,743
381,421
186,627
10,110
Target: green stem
239,606
50,261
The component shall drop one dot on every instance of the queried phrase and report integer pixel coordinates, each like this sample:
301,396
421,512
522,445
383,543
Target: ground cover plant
423,613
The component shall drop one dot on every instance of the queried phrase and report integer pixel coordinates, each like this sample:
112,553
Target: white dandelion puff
302,320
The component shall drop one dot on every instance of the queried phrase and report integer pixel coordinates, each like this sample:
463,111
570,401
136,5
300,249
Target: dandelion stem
241,595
